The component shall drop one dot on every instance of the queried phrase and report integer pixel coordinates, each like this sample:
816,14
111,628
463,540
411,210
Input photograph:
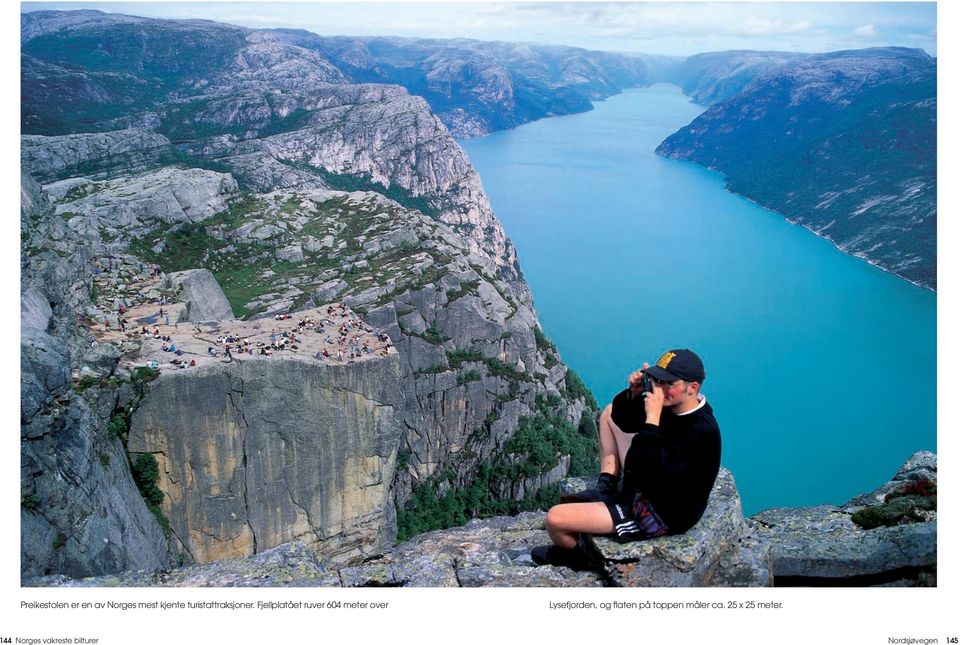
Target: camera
647,383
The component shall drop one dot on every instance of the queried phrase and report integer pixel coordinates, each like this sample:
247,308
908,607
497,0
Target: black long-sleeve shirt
674,465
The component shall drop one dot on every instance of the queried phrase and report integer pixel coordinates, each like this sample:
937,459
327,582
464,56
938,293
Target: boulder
823,542
686,560
202,294
291,253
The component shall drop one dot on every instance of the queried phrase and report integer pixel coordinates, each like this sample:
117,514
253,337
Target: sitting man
659,457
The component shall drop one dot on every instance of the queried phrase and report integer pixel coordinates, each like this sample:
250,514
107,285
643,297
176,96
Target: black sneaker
605,491
573,558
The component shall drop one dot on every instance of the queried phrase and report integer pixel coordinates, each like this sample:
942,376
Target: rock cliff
257,453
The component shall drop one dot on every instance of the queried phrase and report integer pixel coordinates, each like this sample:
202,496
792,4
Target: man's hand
652,401
653,404
636,381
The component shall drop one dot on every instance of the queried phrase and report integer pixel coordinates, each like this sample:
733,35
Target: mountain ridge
841,143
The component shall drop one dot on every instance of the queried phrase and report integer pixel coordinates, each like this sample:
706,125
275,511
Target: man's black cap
678,365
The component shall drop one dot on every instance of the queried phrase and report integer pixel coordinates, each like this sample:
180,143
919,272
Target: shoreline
859,255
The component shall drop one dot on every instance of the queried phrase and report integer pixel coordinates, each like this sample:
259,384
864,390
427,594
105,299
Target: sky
672,28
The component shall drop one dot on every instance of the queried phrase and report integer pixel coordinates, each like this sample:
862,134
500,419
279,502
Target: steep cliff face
843,144
80,511
122,151
258,453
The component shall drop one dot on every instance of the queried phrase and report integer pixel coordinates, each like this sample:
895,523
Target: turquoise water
820,367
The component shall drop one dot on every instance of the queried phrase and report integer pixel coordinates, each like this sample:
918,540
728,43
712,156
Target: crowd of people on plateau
345,337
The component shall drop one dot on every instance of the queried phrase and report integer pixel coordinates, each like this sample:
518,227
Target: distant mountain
842,143
478,87
87,71
710,78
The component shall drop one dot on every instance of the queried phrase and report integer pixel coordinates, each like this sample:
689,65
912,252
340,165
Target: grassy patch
144,374
467,287
458,357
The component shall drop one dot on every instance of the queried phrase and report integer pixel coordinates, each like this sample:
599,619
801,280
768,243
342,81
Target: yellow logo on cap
665,360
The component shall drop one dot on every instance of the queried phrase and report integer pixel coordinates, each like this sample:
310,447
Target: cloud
258,20
865,31
754,26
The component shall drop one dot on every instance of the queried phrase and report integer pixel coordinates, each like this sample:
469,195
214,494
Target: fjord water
820,367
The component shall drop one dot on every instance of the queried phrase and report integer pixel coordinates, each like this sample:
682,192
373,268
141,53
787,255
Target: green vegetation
363,181
119,426
439,502
576,389
86,381
30,502
186,247
549,433
468,376
59,541
144,374
433,335
458,357
435,369
547,347
902,510
429,509
903,506
499,368
184,160
543,343
146,472
469,286
136,65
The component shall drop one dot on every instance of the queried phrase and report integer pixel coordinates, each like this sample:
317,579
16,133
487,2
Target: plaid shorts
636,520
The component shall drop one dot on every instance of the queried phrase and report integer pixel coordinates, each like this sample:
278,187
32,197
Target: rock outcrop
824,544
258,453
716,552
94,154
